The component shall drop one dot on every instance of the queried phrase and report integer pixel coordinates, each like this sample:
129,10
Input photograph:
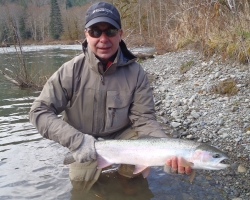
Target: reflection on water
31,167
111,185
40,61
38,48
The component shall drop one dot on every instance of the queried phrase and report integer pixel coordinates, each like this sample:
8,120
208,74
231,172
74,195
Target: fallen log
4,45
9,78
144,56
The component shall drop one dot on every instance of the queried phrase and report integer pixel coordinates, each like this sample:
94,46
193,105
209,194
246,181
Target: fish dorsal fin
145,137
102,163
139,168
185,163
150,137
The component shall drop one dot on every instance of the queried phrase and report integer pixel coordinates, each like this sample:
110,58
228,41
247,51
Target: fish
148,152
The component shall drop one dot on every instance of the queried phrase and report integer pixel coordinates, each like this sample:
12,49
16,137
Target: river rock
175,124
241,169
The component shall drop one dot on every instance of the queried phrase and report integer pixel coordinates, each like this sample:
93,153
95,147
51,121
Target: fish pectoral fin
139,168
191,176
185,163
102,163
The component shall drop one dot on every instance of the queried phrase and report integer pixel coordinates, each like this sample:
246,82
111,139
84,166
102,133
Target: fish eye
216,155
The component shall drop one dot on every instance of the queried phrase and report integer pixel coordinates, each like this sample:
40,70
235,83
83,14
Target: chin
106,57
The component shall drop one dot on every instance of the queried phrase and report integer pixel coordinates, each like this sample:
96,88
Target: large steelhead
147,152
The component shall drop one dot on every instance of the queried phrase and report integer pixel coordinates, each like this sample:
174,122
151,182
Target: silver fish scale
149,152
149,142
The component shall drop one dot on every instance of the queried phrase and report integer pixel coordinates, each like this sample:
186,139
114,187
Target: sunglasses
96,33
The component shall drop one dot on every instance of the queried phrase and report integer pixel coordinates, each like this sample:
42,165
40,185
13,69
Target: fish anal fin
102,163
139,168
185,163
146,172
191,176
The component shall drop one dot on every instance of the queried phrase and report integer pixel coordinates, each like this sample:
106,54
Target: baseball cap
102,12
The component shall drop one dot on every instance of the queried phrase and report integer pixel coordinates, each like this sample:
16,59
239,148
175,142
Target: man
103,92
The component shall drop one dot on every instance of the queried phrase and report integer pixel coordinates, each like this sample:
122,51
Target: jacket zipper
112,116
102,80
98,109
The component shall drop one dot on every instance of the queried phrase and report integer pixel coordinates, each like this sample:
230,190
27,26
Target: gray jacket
95,102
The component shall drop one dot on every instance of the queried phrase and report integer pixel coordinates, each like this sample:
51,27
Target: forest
211,26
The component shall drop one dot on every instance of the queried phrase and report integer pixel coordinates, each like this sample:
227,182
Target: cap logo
102,10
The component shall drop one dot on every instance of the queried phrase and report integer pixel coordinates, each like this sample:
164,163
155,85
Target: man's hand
86,151
178,165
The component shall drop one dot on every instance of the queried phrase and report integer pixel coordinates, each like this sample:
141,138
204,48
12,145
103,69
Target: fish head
208,157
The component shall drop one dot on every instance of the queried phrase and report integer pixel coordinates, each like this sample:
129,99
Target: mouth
222,163
217,165
222,166
103,48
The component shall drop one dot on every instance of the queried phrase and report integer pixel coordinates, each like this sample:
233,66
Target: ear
86,34
120,34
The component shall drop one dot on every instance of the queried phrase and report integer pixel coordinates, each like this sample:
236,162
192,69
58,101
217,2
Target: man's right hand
86,151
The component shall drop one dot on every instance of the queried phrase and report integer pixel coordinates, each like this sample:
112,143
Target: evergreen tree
56,27
4,32
68,4
22,28
71,3
24,33
23,3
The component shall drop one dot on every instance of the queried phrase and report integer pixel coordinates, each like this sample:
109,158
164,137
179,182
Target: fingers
171,166
169,162
188,170
181,169
175,164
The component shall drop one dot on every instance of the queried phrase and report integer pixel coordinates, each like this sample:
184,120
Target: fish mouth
222,164
218,165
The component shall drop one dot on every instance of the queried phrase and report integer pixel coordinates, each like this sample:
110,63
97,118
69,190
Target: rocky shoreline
192,103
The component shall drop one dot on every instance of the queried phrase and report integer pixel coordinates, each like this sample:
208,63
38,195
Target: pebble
175,124
195,114
241,169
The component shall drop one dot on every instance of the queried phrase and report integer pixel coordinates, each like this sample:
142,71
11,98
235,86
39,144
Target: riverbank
185,105
189,106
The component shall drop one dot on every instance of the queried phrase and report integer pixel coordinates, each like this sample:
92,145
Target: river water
31,167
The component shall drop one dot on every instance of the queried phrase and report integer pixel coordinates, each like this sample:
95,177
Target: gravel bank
185,85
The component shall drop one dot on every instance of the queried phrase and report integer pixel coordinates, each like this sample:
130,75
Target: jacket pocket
117,110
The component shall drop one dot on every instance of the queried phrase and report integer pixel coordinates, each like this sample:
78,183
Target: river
31,166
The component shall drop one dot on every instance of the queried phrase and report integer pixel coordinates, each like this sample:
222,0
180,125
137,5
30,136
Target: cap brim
102,19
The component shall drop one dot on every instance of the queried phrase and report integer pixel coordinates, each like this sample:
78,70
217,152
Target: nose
103,37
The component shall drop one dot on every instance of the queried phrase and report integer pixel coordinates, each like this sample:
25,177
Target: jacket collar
123,57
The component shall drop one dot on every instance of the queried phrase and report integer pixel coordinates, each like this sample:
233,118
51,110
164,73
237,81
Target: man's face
103,47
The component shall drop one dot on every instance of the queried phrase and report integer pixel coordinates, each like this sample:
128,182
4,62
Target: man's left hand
174,166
